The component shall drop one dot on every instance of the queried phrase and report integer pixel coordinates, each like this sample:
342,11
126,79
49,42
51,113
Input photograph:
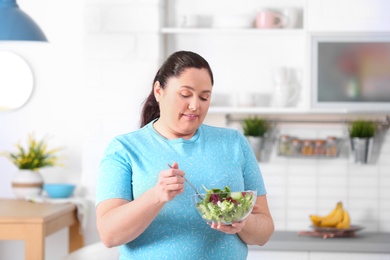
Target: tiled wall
298,187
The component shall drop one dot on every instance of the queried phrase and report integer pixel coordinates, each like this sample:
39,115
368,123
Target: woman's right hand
170,183
120,221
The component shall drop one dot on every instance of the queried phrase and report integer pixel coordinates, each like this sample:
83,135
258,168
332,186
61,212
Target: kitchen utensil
245,99
269,19
285,91
233,21
188,21
196,191
292,15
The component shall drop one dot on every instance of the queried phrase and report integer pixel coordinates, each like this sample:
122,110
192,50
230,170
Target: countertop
364,242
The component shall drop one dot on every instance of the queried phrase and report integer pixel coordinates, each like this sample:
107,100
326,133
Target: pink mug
270,19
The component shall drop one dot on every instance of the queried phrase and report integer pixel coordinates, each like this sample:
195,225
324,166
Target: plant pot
27,183
361,148
256,143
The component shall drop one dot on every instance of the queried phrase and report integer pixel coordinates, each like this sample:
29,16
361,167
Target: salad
225,206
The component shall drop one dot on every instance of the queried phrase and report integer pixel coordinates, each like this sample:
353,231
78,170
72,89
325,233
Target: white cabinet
305,255
242,57
277,255
348,15
347,256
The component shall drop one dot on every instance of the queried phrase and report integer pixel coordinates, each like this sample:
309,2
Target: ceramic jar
27,183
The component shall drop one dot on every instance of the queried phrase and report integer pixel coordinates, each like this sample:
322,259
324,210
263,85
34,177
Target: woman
145,206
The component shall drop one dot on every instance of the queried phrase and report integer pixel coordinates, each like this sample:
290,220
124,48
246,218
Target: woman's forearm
120,221
257,230
259,226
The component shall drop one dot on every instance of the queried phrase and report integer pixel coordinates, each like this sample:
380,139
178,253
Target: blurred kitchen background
92,75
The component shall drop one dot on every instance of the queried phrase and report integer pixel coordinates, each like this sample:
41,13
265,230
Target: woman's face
183,102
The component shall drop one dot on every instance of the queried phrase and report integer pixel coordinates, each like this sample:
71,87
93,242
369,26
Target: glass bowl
225,207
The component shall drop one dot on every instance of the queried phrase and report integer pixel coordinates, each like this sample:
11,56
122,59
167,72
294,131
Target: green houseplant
255,130
361,133
254,126
362,129
36,155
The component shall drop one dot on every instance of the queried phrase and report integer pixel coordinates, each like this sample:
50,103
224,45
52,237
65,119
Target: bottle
319,148
307,148
296,147
284,145
331,149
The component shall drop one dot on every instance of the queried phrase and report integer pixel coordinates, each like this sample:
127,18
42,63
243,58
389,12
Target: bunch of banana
338,218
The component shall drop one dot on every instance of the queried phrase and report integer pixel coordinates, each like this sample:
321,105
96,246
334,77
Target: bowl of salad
225,206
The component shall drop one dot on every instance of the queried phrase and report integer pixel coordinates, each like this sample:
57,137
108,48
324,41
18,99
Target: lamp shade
16,25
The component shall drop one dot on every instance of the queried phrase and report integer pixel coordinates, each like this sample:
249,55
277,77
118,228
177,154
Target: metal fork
196,191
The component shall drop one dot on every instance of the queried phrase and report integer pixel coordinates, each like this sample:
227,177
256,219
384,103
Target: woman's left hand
228,229
235,227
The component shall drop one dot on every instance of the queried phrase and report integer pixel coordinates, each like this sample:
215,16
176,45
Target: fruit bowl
223,206
352,228
59,190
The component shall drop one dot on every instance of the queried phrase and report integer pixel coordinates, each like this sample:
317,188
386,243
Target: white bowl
233,21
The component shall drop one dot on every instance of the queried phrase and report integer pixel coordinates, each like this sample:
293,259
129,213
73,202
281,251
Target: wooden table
32,222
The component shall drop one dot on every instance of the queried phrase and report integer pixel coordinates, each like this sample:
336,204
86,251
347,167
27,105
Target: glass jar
307,148
331,149
319,147
284,145
296,147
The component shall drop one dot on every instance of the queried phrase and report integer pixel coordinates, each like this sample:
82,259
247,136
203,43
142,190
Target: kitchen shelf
278,32
271,110
256,51
229,111
382,120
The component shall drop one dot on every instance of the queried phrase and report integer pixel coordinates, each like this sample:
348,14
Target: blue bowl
59,190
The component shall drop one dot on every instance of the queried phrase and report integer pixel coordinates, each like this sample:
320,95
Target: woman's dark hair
173,66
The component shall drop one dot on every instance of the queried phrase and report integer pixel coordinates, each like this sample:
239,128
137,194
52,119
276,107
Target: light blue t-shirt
214,157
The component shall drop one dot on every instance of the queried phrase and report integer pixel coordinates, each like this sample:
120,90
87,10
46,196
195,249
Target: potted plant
255,130
28,181
361,133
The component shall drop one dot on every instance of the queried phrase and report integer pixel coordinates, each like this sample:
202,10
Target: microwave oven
350,71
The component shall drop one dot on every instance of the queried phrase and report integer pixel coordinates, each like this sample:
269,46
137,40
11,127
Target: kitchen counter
364,242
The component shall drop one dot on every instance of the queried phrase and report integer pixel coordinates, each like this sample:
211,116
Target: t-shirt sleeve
253,178
115,175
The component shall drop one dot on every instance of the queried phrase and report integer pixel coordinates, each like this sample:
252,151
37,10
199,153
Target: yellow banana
335,218
317,219
345,222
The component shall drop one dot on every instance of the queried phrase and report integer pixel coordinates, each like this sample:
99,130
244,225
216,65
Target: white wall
91,79
55,105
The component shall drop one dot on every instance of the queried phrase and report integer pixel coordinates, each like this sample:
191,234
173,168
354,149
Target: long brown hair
173,66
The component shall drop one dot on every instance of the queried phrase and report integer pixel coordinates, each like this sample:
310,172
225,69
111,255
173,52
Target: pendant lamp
16,25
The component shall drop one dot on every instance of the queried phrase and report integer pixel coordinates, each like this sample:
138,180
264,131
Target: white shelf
178,30
273,110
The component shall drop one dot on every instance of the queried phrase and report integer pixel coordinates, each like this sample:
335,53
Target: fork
196,191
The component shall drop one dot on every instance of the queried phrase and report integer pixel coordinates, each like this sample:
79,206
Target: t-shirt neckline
175,140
